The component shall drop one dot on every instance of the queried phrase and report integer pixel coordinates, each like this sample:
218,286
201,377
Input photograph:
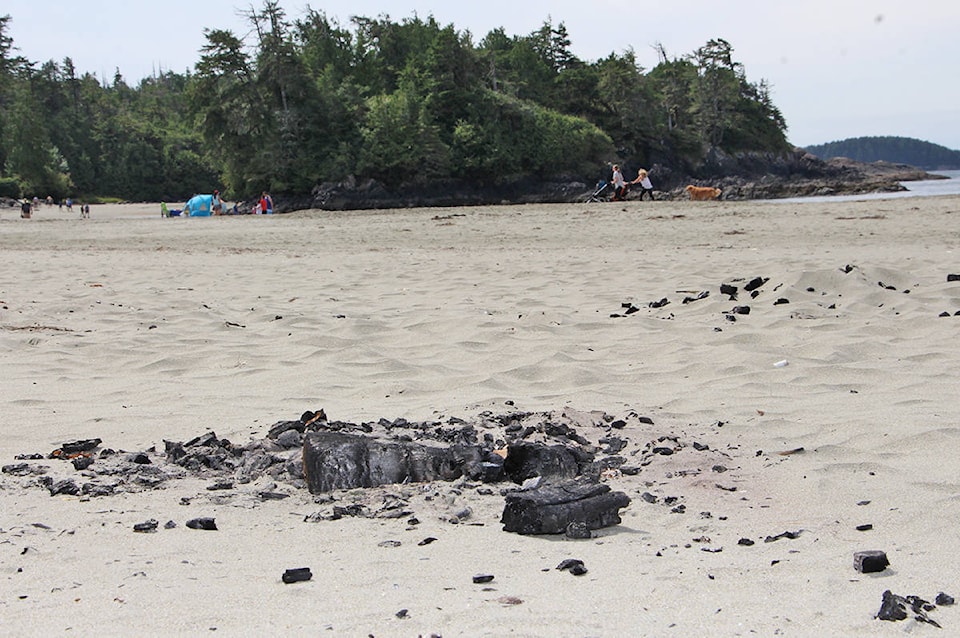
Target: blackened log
337,460
550,509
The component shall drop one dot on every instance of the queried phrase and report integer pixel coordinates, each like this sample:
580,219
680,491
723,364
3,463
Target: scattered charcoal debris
740,310
426,541
944,600
482,578
866,527
403,613
870,561
755,283
659,304
296,575
728,289
203,522
894,607
746,542
953,277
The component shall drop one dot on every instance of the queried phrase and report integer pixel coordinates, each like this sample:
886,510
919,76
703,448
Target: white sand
137,329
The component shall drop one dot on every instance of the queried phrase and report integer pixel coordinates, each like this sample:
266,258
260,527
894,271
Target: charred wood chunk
526,460
551,509
337,460
870,561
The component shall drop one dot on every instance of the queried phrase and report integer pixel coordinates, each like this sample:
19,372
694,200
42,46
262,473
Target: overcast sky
838,68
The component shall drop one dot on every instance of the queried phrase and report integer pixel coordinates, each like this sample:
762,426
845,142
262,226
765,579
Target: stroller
601,186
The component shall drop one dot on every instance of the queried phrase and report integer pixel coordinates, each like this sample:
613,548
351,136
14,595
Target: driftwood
550,509
336,460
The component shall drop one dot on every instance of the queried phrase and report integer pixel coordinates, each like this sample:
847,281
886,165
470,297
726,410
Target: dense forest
308,100
899,150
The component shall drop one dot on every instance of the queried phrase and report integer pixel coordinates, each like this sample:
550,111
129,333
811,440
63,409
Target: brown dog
703,193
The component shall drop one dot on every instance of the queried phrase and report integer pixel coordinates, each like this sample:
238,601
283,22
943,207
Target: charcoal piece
297,575
788,535
146,526
645,419
426,541
289,439
648,497
892,607
550,509
140,459
781,301
741,310
953,277
659,304
337,460
866,527
870,561
35,456
94,490
664,451
76,447
569,563
204,522
578,570
746,542
944,600
728,289
204,440
280,427
482,578
614,444
272,496
81,462
755,283
17,469
65,486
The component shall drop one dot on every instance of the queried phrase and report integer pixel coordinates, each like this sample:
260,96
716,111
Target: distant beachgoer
85,211
619,185
217,203
25,209
266,203
69,205
49,200
645,184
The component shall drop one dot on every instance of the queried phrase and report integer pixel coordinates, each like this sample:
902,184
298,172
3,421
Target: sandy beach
830,406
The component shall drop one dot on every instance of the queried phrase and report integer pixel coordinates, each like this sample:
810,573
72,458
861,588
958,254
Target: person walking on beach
645,184
266,203
619,185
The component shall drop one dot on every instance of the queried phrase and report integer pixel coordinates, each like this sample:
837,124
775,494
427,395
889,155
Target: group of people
621,187
28,207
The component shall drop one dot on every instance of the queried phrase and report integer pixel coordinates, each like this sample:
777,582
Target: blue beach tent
199,206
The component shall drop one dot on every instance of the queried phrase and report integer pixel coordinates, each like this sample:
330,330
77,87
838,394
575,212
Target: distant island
897,150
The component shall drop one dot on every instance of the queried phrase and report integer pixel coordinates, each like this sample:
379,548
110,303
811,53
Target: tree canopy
900,150
309,100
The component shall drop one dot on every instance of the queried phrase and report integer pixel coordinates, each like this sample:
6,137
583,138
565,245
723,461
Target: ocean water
923,188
